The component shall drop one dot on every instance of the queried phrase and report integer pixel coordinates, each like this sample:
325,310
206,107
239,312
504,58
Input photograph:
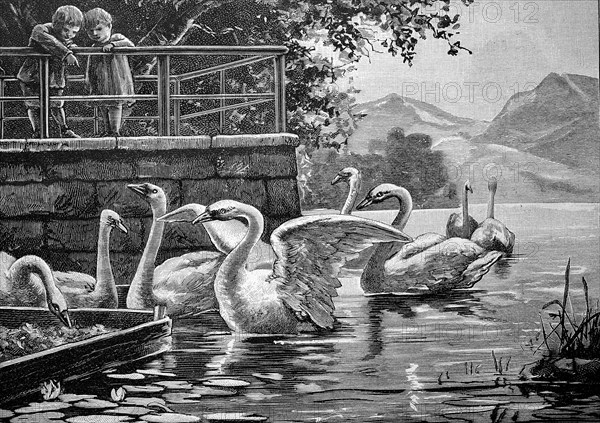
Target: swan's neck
465,214
141,294
20,273
405,209
105,282
354,184
490,209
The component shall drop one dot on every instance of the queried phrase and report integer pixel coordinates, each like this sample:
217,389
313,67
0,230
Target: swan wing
420,244
75,282
310,252
442,266
185,284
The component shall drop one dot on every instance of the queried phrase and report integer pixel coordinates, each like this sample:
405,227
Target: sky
515,45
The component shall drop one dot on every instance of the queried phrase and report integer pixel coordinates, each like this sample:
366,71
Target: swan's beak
186,213
122,227
204,217
63,316
364,203
337,179
139,189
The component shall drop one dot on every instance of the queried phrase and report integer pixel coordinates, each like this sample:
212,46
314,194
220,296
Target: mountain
557,120
411,115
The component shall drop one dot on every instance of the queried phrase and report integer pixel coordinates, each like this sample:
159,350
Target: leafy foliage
352,29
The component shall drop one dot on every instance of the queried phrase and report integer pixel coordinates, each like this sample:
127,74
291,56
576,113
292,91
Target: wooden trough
141,334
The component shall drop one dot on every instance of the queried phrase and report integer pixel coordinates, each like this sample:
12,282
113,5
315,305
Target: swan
352,176
82,290
493,234
183,284
18,288
296,294
455,226
431,262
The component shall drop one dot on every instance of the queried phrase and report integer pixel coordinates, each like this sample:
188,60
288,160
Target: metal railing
168,85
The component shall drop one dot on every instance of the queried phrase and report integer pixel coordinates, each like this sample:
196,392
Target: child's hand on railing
108,47
72,60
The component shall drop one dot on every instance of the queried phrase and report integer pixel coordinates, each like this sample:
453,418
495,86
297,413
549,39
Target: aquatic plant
572,347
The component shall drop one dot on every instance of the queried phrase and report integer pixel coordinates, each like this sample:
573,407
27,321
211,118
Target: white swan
18,288
493,234
353,177
455,226
183,284
297,293
82,290
431,262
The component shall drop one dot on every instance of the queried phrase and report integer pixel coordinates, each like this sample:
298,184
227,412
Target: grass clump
572,342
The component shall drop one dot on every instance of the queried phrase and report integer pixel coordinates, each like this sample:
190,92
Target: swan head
492,184
345,175
112,219
221,210
468,186
377,195
153,194
58,306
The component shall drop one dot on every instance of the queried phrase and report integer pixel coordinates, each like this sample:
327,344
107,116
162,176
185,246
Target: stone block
283,198
68,199
91,170
12,146
255,140
20,172
82,235
164,143
116,196
233,163
70,144
210,190
21,235
272,162
190,164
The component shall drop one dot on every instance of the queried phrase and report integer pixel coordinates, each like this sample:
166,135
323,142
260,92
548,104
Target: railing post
2,109
164,96
177,108
222,101
44,66
280,112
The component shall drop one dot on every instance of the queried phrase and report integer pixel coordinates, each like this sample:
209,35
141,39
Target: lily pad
129,410
226,383
130,376
94,403
268,376
259,396
234,417
47,417
5,414
153,372
211,392
143,401
181,398
74,397
145,389
99,418
170,418
175,384
38,407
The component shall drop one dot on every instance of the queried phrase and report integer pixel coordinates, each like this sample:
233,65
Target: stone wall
52,192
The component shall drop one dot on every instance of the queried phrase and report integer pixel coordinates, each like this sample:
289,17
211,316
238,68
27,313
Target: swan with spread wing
18,288
493,234
297,293
431,262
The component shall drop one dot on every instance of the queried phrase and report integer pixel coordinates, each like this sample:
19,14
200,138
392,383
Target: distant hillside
411,115
557,120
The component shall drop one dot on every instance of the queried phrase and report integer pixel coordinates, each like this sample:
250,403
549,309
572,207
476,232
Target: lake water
392,358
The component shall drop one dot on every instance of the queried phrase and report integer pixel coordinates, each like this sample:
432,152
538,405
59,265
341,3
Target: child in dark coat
108,74
55,38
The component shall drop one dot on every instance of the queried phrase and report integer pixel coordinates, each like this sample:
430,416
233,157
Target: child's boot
58,113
